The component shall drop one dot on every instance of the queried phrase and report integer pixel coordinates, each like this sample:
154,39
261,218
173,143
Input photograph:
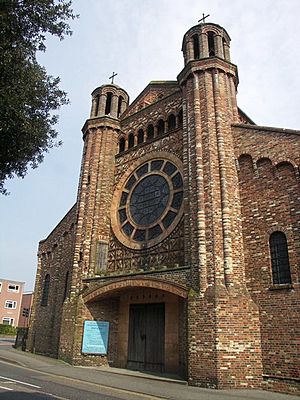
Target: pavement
163,387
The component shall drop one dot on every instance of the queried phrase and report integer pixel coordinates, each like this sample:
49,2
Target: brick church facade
185,235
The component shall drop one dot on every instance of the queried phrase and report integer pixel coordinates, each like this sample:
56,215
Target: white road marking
22,383
111,388
55,397
5,388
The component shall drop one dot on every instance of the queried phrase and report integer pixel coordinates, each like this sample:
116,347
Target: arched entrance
149,328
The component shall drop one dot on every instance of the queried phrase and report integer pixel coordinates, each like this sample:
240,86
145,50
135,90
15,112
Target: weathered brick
226,325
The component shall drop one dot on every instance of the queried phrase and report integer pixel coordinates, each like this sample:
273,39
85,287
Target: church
181,254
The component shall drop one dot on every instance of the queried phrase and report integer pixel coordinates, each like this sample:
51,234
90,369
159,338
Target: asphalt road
19,383
24,376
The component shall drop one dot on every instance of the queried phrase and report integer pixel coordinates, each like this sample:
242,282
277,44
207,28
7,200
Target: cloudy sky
141,41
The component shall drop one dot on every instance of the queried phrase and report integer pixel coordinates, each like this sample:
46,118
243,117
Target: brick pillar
102,104
203,45
123,106
219,46
223,334
114,106
189,51
94,110
226,51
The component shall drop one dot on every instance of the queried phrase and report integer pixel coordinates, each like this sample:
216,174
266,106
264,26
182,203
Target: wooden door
146,337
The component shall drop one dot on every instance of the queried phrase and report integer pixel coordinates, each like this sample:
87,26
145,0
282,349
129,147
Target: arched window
279,258
121,145
97,99
150,132
161,127
45,293
66,289
180,118
211,44
130,140
108,103
120,101
224,48
196,47
140,137
171,122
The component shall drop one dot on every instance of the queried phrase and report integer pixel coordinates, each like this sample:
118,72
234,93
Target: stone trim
134,273
267,129
135,283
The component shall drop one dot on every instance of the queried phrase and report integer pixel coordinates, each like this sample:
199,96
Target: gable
154,91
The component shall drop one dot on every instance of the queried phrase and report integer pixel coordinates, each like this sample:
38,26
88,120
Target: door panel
146,337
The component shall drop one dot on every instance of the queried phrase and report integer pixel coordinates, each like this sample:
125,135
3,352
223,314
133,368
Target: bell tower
100,135
95,189
209,83
223,320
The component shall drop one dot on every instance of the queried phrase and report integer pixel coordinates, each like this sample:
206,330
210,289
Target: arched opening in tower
211,44
108,103
196,47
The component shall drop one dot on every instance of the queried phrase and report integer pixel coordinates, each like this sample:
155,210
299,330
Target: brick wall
55,257
269,187
241,183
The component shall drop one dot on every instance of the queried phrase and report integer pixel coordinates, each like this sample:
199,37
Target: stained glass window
151,202
149,199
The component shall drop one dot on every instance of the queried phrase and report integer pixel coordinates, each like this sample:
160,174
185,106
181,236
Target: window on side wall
13,288
7,321
11,304
281,273
45,293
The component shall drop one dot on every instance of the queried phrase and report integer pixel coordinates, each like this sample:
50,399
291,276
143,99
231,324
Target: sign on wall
95,337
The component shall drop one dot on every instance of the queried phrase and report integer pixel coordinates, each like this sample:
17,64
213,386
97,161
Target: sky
141,41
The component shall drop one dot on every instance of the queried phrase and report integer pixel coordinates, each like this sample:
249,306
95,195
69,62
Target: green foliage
28,96
21,331
7,330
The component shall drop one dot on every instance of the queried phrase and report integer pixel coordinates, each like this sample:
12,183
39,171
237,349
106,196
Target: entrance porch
148,324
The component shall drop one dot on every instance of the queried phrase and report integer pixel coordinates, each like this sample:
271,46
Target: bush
21,338
21,331
7,330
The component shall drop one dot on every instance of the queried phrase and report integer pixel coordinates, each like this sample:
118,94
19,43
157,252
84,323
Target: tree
28,96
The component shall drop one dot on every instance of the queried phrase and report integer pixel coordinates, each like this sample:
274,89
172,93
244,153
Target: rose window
150,203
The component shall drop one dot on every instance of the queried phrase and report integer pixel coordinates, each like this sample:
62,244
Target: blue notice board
95,337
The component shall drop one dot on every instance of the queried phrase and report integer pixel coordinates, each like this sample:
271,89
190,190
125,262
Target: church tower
101,138
219,302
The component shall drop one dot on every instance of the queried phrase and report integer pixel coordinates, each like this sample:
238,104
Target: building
11,293
25,309
182,249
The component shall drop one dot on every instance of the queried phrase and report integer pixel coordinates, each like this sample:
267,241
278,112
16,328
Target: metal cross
203,18
113,75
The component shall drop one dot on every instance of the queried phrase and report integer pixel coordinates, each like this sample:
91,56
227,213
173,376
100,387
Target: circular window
149,199
150,204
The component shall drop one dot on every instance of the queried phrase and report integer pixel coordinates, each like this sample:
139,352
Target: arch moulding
134,283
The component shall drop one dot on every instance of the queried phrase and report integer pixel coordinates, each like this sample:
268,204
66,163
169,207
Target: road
24,376
19,383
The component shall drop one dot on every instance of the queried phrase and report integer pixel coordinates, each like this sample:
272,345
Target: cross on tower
203,18
113,75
